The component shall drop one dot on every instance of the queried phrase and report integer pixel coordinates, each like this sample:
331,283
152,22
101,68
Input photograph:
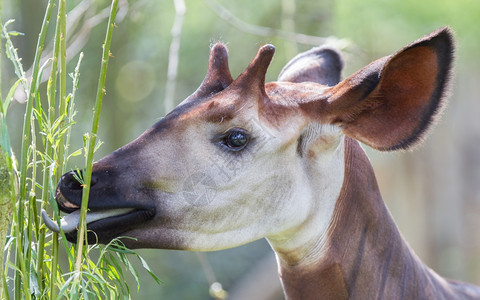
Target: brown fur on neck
365,254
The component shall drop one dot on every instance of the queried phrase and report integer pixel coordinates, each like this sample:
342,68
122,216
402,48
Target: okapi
281,161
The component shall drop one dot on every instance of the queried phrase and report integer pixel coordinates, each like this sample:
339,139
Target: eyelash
227,142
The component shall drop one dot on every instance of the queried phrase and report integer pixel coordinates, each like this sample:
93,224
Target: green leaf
98,145
133,271
34,283
146,267
15,33
112,260
75,153
4,138
9,97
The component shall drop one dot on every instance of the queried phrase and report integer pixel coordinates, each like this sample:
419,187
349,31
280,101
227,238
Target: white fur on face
280,187
320,189
286,197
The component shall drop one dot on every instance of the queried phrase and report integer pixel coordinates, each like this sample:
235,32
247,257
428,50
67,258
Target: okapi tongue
71,221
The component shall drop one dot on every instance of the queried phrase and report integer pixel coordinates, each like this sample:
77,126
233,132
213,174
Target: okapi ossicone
240,160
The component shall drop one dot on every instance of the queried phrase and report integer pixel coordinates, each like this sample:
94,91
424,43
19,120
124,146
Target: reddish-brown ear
392,102
218,75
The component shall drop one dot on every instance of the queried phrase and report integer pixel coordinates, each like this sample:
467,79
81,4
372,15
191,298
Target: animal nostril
72,180
93,180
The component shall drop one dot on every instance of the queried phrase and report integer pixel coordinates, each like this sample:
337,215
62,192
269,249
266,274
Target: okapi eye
236,139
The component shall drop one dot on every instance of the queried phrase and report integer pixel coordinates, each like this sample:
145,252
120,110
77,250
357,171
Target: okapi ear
391,103
320,64
218,75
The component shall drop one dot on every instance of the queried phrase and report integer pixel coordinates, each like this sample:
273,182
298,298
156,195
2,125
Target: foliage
33,269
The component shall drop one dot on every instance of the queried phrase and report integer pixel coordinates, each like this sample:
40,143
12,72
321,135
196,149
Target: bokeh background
433,192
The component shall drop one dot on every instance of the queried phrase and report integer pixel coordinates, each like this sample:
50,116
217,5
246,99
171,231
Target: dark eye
236,139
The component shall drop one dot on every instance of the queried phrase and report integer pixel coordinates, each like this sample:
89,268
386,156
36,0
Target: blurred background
160,56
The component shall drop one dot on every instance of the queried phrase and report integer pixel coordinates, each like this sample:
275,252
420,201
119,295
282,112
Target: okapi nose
70,189
73,180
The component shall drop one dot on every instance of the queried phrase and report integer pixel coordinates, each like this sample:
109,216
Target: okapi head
242,159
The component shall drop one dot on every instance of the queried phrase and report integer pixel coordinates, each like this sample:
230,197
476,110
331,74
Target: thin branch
173,55
77,38
288,24
92,141
236,22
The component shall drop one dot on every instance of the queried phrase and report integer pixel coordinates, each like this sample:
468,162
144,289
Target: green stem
0,68
71,105
6,296
5,192
6,206
59,43
62,107
25,147
93,137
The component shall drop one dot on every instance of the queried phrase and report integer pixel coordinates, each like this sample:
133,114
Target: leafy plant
33,268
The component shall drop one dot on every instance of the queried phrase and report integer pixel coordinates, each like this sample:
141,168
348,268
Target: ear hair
315,133
391,103
320,64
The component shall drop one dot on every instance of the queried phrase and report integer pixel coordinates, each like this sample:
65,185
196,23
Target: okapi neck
364,255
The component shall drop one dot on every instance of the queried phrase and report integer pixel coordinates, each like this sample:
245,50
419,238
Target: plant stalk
24,154
93,137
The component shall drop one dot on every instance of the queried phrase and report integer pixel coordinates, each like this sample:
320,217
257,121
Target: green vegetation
33,269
